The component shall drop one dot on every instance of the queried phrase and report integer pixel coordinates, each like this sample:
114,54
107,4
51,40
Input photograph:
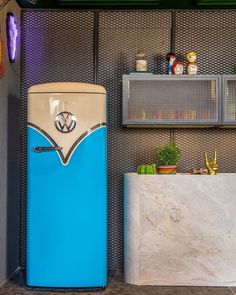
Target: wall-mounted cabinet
229,100
171,101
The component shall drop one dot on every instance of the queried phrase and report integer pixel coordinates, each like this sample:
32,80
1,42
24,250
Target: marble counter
180,229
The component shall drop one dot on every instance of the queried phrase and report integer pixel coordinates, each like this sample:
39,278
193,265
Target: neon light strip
11,36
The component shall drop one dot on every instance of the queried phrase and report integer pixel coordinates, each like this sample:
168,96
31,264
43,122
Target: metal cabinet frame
166,123
224,122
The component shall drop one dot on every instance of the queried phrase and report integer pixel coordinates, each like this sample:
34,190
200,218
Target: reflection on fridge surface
66,186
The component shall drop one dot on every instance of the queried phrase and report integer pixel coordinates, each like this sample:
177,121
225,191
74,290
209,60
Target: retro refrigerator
66,186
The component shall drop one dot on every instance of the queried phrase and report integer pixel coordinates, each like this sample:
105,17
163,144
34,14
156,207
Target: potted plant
167,158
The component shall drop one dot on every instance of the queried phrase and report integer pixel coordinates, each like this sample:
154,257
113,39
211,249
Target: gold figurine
211,165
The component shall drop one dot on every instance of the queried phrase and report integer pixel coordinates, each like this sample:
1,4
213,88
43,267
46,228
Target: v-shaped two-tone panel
66,186
65,113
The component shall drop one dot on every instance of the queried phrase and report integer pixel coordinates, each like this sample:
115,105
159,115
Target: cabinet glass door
164,100
229,100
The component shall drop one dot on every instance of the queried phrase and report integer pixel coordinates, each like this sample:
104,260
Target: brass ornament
211,165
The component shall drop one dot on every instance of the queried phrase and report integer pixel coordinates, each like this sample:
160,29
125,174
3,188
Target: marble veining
180,229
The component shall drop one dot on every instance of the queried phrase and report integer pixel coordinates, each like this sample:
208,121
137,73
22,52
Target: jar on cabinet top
141,62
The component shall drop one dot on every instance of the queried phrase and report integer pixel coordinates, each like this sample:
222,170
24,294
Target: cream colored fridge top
68,87
66,113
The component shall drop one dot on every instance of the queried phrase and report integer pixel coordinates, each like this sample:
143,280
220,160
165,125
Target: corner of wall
9,152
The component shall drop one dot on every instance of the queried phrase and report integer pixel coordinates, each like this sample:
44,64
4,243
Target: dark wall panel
57,46
10,151
195,142
212,34
121,36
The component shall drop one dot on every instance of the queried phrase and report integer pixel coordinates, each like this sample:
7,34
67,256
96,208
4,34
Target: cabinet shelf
171,101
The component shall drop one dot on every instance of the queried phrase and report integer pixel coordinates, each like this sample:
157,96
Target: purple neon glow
11,36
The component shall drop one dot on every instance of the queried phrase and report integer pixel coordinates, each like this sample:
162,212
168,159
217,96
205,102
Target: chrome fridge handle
40,149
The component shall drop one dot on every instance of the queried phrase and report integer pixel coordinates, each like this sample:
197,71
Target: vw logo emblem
65,122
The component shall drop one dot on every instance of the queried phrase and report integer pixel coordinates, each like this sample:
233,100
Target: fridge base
65,289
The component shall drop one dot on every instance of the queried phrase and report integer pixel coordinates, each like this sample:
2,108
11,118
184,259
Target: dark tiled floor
116,287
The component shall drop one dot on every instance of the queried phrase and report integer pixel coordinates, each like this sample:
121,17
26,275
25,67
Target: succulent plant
168,154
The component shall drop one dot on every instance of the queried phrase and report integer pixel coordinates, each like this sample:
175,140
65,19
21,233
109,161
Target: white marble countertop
180,229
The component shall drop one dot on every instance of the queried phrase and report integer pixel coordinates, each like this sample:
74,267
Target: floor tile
233,290
116,286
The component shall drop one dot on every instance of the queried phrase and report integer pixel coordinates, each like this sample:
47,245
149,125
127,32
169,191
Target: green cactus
147,169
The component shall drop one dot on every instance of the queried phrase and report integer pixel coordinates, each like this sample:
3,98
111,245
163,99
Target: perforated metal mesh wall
194,142
58,46
121,36
212,35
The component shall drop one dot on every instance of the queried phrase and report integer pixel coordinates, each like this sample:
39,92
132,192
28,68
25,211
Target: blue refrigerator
66,186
